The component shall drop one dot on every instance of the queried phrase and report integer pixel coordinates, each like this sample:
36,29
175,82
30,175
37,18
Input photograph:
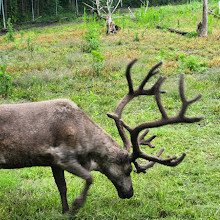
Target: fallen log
172,30
215,15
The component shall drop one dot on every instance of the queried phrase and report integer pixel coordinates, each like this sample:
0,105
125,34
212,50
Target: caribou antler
165,119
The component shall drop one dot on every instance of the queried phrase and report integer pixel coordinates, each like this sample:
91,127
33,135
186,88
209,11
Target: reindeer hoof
77,204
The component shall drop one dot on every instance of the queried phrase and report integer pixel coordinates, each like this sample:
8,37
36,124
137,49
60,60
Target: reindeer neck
97,141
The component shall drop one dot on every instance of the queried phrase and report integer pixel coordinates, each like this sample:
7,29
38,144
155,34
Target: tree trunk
6,9
38,8
3,13
23,7
32,9
76,7
203,26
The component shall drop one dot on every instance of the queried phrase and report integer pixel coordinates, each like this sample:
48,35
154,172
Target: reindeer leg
75,168
58,175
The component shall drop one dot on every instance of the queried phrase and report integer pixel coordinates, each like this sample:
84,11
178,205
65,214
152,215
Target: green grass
49,62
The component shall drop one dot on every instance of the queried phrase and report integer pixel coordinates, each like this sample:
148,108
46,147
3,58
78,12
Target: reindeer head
119,173
117,167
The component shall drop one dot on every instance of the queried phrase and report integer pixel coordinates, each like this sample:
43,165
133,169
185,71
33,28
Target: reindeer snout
130,194
126,194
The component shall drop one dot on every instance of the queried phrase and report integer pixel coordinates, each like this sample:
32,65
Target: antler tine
128,76
141,168
127,98
140,91
143,141
171,161
186,103
121,105
121,131
149,75
158,97
165,119
180,118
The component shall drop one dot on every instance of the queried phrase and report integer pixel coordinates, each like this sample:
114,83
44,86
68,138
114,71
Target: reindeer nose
126,194
131,193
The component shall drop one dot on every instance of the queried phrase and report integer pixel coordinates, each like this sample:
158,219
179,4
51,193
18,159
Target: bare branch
116,7
88,5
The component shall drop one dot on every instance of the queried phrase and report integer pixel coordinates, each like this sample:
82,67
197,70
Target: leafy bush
191,64
10,35
92,41
192,34
31,39
5,81
137,38
97,62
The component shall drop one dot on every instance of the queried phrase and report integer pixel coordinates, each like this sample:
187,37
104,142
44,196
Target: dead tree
105,10
58,134
202,29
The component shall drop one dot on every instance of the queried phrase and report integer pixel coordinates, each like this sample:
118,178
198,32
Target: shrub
97,62
137,38
191,64
192,34
5,81
92,41
10,35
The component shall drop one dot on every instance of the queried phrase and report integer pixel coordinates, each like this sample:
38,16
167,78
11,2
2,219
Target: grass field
57,62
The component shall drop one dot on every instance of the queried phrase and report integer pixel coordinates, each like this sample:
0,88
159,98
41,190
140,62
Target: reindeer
58,134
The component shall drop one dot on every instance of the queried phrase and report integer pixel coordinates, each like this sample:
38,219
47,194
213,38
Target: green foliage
10,34
5,81
97,62
84,15
210,24
31,39
119,42
19,41
192,34
216,10
150,17
191,63
92,41
136,38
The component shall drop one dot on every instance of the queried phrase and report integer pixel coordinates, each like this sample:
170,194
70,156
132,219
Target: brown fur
57,133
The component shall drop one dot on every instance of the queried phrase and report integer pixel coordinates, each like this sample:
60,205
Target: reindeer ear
121,158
